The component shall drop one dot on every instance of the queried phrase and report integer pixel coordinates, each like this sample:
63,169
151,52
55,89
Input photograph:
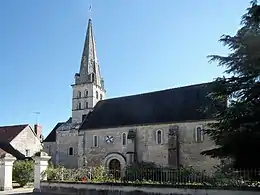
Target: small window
86,93
79,106
159,136
27,153
79,94
101,96
124,139
86,104
91,77
95,141
70,151
199,134
96,94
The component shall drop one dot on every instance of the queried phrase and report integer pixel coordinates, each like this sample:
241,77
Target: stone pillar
41,165
6,172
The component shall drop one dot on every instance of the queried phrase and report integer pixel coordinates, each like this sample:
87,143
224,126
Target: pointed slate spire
89,68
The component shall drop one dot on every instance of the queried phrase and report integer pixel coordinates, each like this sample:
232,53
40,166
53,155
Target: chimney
38,130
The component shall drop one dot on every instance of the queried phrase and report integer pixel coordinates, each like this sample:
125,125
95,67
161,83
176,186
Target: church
164,127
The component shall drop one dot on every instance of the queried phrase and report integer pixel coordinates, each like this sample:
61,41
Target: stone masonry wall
90,189
51,149
65,140
27,140
147,148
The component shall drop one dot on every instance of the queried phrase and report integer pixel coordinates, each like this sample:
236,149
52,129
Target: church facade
164,127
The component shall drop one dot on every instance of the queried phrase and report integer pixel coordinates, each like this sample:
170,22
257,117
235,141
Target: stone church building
164,127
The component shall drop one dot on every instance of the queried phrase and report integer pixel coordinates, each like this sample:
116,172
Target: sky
142,46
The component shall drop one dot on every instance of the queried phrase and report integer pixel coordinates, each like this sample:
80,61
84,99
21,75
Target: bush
99,174
148,171
23,171
61,173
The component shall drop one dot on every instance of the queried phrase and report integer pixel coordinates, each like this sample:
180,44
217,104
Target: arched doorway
115,168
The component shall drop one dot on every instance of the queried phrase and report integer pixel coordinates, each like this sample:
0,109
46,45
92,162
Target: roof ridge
153,92
14,125
164,106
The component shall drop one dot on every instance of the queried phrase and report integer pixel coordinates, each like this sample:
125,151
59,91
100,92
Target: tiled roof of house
8,133
166,106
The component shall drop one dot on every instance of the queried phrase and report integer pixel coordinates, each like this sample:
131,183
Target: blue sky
142,45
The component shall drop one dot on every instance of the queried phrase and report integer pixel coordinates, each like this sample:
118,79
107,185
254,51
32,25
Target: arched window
79,94
96,94
159,136
124,139
79,105
86,93
95,141
86,104
70,151
101,96
199,134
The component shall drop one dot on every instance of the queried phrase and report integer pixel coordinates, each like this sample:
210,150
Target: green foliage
148,171
237,128
62,174
99,174
23,171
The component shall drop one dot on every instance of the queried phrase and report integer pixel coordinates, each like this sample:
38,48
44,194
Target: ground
17,191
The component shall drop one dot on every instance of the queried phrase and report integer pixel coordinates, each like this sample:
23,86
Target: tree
23,171
236,131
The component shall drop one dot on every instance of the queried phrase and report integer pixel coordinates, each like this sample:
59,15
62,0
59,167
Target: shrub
144,171
23,171
61,173
99,174
148,171
54,174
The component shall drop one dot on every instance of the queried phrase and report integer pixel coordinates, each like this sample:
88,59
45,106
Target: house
21,141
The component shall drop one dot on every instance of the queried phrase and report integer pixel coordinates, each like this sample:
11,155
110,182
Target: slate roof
166,106
8,133
52,135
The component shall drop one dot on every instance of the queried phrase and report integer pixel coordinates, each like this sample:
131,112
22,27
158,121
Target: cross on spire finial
90,11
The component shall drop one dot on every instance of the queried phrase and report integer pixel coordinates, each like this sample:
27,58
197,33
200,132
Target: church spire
88,88
89,68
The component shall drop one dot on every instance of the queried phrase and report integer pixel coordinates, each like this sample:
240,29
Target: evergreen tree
237,129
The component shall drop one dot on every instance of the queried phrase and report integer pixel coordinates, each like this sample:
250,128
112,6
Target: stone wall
147,148
51,149
90,98
27,140
91,189
65,140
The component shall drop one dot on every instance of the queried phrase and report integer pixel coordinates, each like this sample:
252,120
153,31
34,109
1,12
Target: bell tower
88,88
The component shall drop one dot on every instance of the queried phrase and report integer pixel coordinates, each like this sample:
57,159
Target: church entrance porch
115,168
115,163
